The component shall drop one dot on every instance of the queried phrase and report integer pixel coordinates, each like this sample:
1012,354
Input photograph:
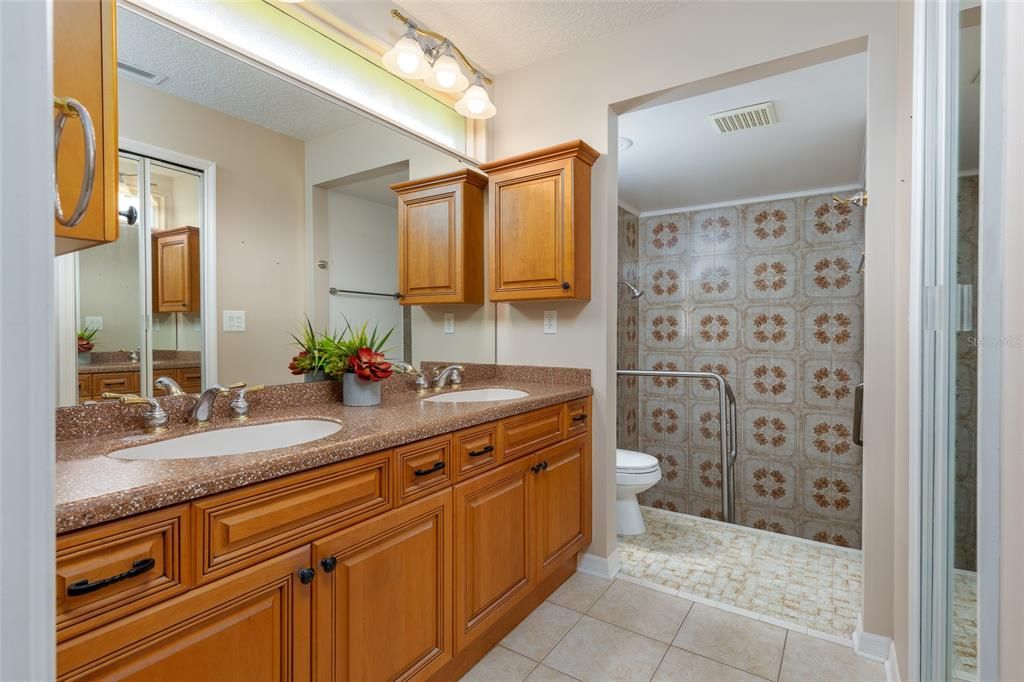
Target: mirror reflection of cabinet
85,69
176,270
440,238
539,243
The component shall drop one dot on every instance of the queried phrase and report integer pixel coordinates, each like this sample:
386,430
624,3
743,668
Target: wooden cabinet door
440,239
85,68
493,547
383,598
176,271
539,239
563,513
254,625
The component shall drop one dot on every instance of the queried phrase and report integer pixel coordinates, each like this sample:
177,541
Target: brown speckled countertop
93,488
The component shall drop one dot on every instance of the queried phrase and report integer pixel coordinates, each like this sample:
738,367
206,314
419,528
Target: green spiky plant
343,351
313,348
85,337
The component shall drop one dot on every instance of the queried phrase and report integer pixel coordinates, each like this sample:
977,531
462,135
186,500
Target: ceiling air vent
139,74
753,116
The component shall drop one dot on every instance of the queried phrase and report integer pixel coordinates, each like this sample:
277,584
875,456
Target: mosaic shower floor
799,584
965,625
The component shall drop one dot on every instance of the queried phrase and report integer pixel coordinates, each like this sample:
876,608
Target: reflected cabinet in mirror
247,206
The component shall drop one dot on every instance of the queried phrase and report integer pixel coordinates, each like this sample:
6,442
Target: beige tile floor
965,625
598,630
805,586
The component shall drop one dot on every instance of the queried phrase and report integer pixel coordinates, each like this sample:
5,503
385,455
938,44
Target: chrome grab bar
68,107
726,432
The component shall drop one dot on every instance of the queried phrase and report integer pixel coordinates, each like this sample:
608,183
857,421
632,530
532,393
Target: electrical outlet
449,323
550,321
94,322
234,320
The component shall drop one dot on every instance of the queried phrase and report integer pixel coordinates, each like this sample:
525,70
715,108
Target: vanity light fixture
421,54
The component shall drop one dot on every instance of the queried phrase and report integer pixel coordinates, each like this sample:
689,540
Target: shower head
634,292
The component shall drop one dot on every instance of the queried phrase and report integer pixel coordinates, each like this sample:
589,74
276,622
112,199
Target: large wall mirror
248,204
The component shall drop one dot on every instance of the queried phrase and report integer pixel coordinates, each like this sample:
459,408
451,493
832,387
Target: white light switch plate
449,323
234,320
550,321
94,323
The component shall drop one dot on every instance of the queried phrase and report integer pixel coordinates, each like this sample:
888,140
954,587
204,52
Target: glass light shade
407,60
475,103
446,75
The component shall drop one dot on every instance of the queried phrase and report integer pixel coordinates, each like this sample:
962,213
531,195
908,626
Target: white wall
260,222
366,146
362,239
108,287
570,96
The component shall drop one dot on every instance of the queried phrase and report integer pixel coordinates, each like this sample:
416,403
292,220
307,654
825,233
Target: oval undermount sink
233,441
477,395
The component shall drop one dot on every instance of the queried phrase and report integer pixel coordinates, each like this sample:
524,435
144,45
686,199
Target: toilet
635,472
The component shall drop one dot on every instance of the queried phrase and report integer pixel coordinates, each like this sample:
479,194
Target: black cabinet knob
565,285
306,575
329,564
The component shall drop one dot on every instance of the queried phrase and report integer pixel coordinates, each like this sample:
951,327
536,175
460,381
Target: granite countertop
93,488
128,366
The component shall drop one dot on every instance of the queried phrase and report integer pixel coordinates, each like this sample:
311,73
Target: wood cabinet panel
244,526
384,609
176,270
84,387
85,68
422,468
113,382
539,237
254,625
476,450
493,547
440,239
526,433
577,414
191,379
151,547
563,502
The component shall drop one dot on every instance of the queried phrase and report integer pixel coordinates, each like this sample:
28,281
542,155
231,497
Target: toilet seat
633,462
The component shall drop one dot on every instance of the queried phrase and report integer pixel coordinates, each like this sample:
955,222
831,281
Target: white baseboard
871,646
892,666
602,567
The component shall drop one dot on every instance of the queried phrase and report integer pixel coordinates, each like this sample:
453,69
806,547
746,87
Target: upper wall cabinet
539,239
85,88
176,270
440,238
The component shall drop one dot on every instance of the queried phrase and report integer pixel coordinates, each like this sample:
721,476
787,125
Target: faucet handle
155,418
240,384
240,403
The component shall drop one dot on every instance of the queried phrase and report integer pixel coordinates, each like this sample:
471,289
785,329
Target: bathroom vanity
402,547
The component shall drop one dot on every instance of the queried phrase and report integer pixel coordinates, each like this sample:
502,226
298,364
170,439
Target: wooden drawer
526,433
577,417
84,387
241,527
149,548
113,382
191,380
476,450
423,467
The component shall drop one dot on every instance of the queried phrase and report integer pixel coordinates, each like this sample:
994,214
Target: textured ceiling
503,35
211,78
679,158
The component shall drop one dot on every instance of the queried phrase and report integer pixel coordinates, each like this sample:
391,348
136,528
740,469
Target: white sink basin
233,441
477,395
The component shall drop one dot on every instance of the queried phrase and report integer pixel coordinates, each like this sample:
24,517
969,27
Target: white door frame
27,350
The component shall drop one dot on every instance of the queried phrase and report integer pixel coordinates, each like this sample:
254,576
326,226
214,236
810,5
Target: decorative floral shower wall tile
768,295
627,408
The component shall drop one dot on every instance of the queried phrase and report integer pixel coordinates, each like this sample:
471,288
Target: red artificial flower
369,365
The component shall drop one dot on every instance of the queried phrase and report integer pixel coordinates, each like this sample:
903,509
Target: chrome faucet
169,385
240,403
449,375
154,419
204,405
405,368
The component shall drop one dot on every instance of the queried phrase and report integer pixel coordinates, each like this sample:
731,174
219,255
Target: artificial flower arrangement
85,345
355,357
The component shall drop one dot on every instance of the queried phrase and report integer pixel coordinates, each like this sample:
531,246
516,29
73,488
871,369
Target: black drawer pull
139,567
482,451
329,564
423,472
537,467
544,465
580,418
306,575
